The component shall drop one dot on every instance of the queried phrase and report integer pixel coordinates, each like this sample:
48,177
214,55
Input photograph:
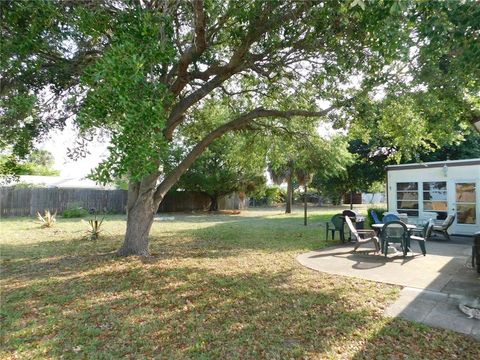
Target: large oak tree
135,71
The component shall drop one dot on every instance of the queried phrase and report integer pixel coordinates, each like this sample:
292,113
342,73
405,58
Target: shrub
47,219
378,210
266,196
26,185
94,228
74,210
273,195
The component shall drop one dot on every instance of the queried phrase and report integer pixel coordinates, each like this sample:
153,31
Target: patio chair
362,236
375,218
336,224
424,235
394,232
425,217
353,216
390,217
476,251
443,227
403,217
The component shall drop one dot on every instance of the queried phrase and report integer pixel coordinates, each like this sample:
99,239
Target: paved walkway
434,285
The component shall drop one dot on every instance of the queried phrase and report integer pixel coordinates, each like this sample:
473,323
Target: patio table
380,226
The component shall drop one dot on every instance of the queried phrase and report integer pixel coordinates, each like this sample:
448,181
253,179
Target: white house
443,187
62,182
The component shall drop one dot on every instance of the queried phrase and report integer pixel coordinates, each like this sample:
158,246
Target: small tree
299,157
39,162
232,163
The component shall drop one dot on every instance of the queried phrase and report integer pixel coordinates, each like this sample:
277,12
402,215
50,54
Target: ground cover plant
215,287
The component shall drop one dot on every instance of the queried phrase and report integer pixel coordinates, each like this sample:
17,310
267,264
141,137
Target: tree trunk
139,222
214,203
141,209
288,208
351,200
305,205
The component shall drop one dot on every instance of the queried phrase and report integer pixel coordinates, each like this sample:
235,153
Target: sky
58,143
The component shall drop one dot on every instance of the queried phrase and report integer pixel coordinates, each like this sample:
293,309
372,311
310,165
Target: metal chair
425,235
362,236
338,222
394,232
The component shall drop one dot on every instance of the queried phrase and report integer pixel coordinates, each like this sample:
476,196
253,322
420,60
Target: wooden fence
26,202
184,201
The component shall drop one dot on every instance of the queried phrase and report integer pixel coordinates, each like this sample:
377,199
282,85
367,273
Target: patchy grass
216,287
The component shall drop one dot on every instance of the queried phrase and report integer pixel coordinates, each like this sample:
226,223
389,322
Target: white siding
453,174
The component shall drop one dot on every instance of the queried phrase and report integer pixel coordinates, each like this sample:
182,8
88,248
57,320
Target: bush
267,196
274,195
26,185
378,210
47,219
94,228
74,211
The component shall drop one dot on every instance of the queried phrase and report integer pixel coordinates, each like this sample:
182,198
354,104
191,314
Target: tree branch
240,60
198,47
237,124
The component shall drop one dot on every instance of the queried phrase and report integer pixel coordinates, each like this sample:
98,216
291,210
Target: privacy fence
26,202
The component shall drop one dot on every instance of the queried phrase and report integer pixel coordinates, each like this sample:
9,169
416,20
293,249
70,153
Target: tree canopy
136,71
38,162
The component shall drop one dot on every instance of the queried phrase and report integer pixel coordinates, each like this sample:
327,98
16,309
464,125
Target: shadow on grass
176,312
402,339
67,298
217,240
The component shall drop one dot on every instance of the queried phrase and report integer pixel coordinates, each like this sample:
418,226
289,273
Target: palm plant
94,228
47,219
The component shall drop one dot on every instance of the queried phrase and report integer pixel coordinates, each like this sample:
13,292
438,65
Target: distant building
61,182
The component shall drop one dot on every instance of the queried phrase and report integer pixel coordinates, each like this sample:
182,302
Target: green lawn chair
422,236
336,223
394,232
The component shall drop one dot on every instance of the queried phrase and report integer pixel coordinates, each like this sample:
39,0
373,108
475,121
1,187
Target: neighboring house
443,187
373,198
61,182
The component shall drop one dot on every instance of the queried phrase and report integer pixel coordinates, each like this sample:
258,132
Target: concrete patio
434,285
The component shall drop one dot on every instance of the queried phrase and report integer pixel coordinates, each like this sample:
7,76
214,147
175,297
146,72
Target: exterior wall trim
434,164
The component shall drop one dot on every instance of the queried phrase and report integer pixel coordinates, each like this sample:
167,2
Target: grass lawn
216,287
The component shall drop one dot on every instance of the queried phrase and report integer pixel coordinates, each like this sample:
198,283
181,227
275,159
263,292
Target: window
435,198
407,198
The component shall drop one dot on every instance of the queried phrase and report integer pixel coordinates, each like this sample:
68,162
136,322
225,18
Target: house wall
467,173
